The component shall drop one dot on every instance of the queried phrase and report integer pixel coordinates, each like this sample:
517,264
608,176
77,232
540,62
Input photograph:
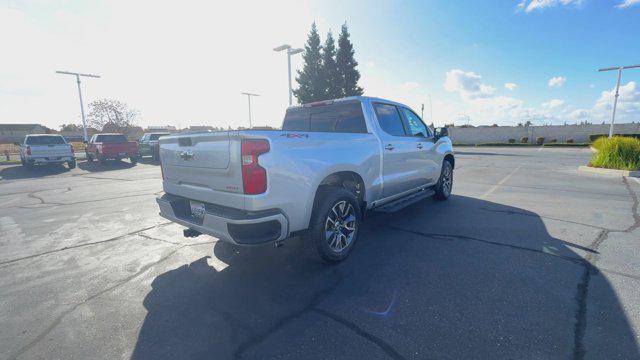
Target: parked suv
102,147
331,163
148,144
46,149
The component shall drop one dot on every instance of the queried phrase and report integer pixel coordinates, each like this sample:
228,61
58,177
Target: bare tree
111,115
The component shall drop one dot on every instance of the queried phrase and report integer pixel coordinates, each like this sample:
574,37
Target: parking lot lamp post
249,95
84,120
290,52
617,94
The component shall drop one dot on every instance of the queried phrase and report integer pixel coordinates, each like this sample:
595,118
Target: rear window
45,140
345,117
156,136
111,138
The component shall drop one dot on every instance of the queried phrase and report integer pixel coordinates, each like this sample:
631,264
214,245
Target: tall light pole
77,75
615,100
290,52
249,95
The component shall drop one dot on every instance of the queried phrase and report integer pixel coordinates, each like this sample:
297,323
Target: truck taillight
254,176
28,150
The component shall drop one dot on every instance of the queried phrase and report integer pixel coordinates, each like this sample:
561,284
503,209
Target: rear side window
45,140
343,117
110,138
389,119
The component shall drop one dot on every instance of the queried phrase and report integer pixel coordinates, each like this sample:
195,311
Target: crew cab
103,147
332,162
148,144
46,149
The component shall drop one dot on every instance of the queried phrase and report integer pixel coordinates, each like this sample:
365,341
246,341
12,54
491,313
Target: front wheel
335,223
445,182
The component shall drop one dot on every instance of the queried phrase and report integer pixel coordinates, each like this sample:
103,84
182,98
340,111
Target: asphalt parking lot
528,260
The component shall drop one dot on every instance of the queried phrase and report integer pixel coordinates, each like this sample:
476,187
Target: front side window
389,119
414,125
154,137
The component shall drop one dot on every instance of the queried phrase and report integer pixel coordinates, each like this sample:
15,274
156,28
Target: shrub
512,141
594,137
553,141
539,140
524,139
618,152
569,141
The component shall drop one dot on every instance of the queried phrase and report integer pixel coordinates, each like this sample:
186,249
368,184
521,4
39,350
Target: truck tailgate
51,151
127,148
203,167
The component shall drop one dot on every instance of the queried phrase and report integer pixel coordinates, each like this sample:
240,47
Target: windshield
111,138
45,140
156,136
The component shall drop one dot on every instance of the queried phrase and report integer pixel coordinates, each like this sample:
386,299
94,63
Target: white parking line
496,186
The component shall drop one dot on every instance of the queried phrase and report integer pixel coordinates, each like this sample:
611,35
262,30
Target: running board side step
405,201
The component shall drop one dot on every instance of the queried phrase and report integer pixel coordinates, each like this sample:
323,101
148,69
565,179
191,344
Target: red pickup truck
102,147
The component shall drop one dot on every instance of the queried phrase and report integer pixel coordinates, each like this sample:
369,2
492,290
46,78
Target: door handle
419,146
389,147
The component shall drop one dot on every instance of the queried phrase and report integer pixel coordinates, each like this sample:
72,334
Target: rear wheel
445,182
334,223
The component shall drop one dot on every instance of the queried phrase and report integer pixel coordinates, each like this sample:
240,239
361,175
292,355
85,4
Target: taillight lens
28,150
254,176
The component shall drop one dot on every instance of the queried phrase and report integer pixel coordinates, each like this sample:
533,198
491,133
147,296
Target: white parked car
45,149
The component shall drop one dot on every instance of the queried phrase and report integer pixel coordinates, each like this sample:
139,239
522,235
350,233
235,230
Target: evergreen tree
346,62
310,85
330,76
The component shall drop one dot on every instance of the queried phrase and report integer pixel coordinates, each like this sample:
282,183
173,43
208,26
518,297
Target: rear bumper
232,225
49,160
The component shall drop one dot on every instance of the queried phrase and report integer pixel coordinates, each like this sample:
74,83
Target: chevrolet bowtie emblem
186,155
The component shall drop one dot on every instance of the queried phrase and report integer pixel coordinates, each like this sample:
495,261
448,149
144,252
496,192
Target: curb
609,172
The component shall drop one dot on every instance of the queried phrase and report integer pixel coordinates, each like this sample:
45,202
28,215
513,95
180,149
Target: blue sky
185,63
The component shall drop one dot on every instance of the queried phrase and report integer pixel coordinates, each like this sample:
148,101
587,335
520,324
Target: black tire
134,160
345,231
71,164
445,182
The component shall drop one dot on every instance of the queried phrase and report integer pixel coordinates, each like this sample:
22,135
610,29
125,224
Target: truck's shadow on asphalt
459,279
20,172
109,165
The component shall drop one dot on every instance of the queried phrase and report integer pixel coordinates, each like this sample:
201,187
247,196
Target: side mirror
441,132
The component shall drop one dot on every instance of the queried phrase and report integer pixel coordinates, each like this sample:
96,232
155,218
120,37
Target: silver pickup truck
332,162
46,149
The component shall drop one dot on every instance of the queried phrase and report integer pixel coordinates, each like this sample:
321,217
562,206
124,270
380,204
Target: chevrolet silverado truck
332,163
46,149
103,147
148,144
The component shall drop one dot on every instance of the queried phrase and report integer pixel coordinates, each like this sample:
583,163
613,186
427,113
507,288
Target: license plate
197,209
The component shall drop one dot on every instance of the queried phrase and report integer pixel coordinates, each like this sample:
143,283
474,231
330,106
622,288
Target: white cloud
467,84
410,85
627,3
628,107
552,104
557,81
532,5
511,86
